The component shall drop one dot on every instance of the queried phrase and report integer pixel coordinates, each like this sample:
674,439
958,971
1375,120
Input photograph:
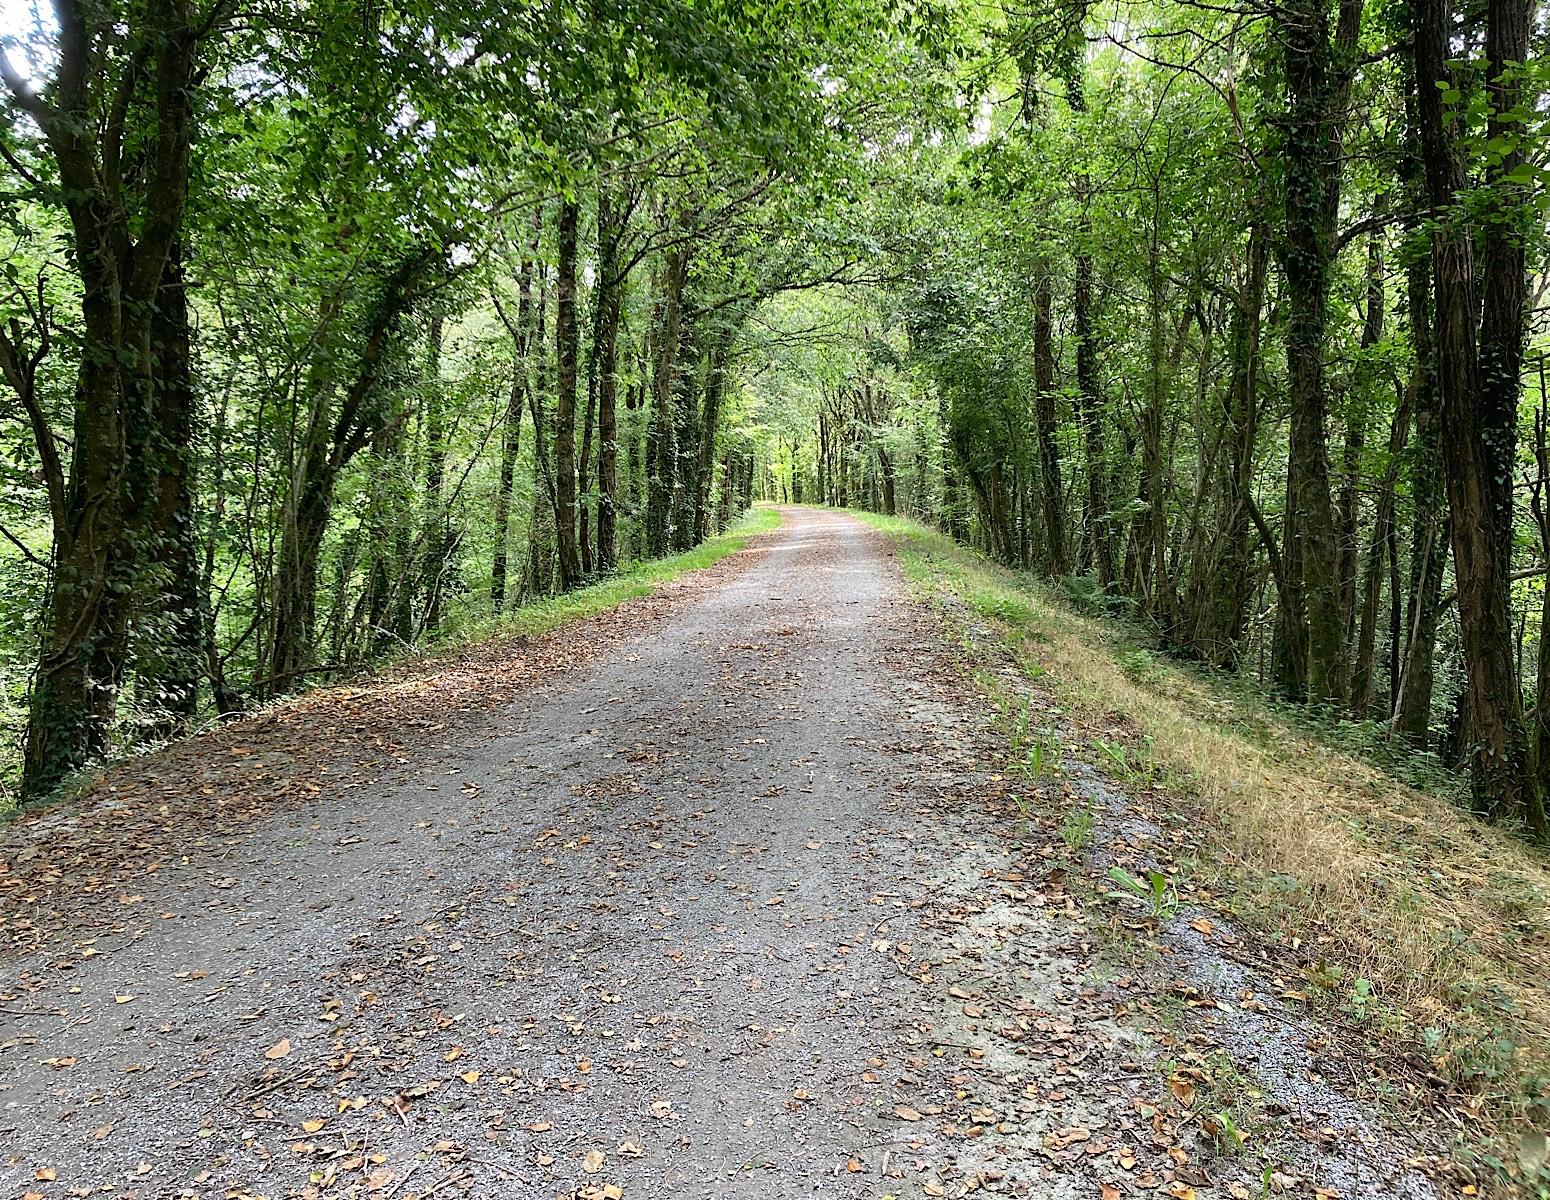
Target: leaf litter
715,898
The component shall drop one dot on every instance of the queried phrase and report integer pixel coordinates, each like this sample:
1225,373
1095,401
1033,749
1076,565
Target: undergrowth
1360,872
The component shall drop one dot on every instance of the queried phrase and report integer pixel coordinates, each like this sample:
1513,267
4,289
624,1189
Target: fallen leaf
592,1162
279,1050
905,1113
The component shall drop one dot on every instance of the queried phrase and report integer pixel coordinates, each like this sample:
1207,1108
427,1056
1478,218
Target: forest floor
721,894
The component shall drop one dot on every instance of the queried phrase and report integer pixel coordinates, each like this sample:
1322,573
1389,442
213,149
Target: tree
111,101
1477,477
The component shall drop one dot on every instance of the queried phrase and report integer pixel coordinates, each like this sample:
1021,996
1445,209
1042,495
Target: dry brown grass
1448,918
1419,897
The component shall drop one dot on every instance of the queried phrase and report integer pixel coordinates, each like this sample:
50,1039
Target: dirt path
728,911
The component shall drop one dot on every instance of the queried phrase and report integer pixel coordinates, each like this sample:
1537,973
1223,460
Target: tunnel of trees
1230,320
328,329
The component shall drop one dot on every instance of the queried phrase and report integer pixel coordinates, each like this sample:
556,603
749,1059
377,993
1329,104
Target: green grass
635,579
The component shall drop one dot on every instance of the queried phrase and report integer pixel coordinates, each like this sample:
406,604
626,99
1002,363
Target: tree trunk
686,437
1090,417
1051,492
511,445
885,470
1316,88
169,667
1089,401
601,376
1539,731
295,599
540,534
1366,625
611,304
388,548
566,339
121,264
435,538
1482,570
1152,533
511,422
1429,539
710,420
1364,670
1503,278
661,436
1231,580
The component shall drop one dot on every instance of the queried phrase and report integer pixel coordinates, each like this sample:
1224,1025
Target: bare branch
22,546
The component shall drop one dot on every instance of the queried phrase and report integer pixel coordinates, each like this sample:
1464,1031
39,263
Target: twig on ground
402,1179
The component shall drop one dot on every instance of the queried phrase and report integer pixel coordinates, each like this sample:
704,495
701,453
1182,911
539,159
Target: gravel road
722,912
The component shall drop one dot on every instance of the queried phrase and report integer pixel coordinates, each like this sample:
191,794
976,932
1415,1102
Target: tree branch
1272,551
22,374
20,545
1451,598
21,91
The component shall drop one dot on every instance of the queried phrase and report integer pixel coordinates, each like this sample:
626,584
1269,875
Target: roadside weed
1039,755
1155,893
1076,830
1114,753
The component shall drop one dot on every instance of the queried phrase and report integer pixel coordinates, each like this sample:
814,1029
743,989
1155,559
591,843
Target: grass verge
1400,909
635,579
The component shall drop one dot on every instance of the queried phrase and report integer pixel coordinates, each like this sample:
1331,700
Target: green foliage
999,606
1076,827
1083,593
636,579
1155,893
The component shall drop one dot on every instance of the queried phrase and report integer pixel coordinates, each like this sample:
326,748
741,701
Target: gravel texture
727,905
